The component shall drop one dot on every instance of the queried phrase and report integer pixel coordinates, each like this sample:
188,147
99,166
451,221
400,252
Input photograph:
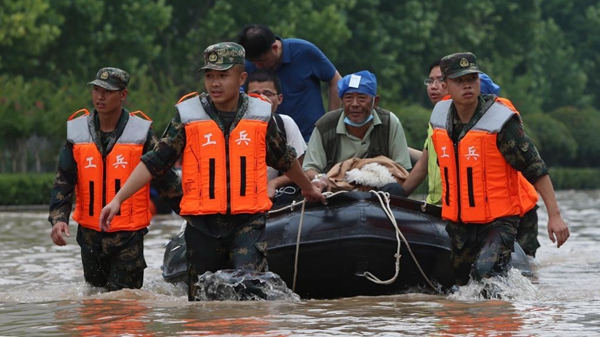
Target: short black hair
263,75
434,64
256,40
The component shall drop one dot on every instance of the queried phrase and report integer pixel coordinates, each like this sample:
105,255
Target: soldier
481,146
427,165
102,149
227,139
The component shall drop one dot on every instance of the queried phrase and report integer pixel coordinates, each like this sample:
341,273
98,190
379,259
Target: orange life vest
224,174
99,179
478,185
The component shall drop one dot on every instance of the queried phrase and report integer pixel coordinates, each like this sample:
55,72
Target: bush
584,125
552,138
564,178
414,119
25,189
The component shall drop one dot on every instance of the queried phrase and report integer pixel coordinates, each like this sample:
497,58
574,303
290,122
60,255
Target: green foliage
585,124
576,22
27,28
552,138
25,189
414,121
156,98
95,34
544,55
564,178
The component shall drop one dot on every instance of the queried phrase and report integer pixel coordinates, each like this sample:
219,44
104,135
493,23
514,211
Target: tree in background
584,125
27,29
544,55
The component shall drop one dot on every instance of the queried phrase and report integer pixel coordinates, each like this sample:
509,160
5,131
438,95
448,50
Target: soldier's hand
558,231
314,194
108,213
56,234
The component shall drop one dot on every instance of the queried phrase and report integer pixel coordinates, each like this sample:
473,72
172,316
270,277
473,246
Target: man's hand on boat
314,194
57,230
322,182
108,213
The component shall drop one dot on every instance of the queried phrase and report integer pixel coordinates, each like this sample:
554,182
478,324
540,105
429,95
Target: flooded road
42,293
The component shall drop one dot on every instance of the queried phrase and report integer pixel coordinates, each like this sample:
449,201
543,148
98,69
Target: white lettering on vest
472,153
208,140
444,154
243,138
90,164
120,161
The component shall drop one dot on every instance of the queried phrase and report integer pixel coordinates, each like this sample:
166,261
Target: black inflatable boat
351,235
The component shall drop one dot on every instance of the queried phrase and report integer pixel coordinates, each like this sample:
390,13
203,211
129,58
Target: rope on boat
298,247
291,207
386,208
384,200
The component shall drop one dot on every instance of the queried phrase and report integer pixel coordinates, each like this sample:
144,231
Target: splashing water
242,285
513,286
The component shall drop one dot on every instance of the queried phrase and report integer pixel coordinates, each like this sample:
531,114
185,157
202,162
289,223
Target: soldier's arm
168,148
520,152
61,196
168,184
280,156
154,163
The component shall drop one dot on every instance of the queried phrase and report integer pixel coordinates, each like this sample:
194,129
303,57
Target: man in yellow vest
102,149
226,139
481,146
426,166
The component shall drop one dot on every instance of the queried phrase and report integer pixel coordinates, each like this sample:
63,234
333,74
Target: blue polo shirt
303,68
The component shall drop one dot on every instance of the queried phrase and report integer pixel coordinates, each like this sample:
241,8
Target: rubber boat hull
349,236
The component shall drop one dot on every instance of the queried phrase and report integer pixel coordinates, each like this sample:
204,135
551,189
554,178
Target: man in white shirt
265,82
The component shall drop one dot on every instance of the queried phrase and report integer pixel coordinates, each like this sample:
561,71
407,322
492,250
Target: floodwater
42,293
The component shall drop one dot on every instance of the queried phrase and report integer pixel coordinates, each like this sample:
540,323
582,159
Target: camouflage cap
222,56
459,64
111,79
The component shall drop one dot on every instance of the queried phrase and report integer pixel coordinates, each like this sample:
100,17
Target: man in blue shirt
300,66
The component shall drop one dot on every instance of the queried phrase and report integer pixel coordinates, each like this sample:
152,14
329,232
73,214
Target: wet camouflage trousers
112,260
527,233
482,250
244,248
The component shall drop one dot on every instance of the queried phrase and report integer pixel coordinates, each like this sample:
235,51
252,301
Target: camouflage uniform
219,241
484,250
113,260
527,234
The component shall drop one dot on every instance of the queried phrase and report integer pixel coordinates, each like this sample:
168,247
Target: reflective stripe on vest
224,175
99,179
478,185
